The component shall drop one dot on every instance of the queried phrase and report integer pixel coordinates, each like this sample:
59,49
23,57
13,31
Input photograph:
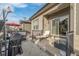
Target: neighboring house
12,26
59,19
25,26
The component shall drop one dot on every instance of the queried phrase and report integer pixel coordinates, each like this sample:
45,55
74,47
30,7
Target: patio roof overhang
43,9
50,8
57,8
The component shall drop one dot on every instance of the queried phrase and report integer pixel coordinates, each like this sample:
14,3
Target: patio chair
41,37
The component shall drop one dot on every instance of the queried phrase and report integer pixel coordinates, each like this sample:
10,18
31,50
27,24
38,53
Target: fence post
0,48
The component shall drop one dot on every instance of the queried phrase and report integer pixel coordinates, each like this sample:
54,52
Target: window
63,26
36,24
55,26
60,26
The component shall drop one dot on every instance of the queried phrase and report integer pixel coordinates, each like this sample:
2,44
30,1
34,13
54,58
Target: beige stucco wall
76,40
72,17
77,18
46,24
74,25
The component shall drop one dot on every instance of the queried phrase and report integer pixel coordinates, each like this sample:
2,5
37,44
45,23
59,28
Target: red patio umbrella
12,24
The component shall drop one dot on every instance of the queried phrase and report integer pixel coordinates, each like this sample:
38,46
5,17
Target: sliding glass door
60,26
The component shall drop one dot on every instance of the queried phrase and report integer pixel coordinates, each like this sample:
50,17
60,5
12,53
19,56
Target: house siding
77,19
76,38
46,24
72,17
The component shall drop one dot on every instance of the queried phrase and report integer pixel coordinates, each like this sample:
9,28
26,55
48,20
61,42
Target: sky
20,10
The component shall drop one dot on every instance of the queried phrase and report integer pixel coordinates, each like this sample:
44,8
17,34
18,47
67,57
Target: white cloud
20,5
13,5
38,4
5,5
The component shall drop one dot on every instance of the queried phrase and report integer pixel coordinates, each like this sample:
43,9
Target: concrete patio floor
31,49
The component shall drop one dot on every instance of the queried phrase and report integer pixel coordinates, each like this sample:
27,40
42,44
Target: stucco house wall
76,28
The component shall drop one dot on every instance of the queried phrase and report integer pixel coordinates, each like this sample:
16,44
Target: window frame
59,18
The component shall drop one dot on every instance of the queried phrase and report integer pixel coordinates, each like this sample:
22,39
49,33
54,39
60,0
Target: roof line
39,10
